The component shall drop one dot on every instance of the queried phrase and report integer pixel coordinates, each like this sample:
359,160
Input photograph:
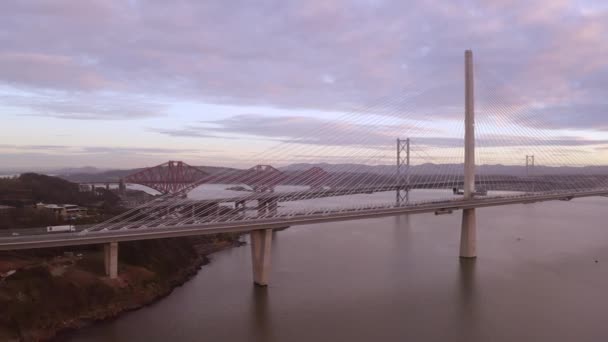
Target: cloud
297,130
320,132
508,141
83,106
319,54
35,147
49,71
40,160
144,150
99,149
573,115
57,156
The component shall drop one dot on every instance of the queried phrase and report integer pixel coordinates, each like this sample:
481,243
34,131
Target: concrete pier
261,243
262,207
268,207
273,207
111,259
468,234
468,230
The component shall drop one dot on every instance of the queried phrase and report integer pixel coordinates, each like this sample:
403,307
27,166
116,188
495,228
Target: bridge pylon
403,171
468,233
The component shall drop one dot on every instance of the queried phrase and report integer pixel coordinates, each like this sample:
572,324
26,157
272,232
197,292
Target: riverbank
55,291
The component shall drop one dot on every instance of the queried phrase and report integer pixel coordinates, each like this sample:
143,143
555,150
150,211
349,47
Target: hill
114,176
34,188
438,169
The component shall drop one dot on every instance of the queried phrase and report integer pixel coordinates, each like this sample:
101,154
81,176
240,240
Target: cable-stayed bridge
358,195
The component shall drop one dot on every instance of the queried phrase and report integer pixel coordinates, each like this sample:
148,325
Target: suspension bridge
359,194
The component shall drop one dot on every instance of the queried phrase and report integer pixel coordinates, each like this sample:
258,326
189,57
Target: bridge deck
97,237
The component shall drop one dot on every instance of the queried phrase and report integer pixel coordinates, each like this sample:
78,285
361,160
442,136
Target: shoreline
136,288
183,276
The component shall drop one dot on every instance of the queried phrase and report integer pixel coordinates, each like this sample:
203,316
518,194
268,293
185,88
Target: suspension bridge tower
468,233
529,165
403,171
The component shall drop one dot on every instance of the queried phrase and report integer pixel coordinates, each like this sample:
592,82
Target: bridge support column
468,234
262,207
122,188
111,259
261,243
468,231
273,206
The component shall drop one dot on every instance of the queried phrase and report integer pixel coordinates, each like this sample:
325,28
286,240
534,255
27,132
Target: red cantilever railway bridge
176,176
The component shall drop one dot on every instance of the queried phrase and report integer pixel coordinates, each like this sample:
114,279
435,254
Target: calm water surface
399,279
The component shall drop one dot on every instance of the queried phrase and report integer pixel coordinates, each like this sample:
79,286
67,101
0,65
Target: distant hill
111,176
33,188
76,170
115,175
437,169
52,172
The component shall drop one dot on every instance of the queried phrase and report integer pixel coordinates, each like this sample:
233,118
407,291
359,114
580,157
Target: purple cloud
328,55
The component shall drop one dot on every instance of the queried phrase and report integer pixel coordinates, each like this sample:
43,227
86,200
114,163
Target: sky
122,84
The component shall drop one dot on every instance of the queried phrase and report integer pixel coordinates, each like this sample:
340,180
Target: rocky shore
55,291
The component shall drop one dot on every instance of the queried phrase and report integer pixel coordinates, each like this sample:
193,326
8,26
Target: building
65,211
6,210
74,211
84,188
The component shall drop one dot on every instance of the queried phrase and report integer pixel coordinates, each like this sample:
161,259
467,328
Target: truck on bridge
58,229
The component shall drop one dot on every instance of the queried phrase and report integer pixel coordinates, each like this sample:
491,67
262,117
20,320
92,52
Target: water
399,279
209,191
